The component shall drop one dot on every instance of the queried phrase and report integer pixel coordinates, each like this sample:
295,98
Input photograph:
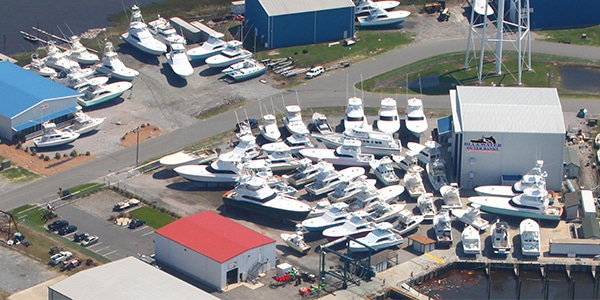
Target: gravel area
20,272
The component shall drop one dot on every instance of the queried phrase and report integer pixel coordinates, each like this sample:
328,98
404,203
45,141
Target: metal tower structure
510,20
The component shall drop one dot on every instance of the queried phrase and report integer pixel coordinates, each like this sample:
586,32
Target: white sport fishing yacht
357,226
296,240
363,7
179,61
306,172
183,158
384,171
436,172
384,236
269,129
451,195
214,45
472,216
346,191
80,53
416,122
530,233
531,178
388,120
372,142
52,136
140,37
426,153
233,53
82,123
442,224
348,154
59,60
426,204
163,31
381,17
355,114
414,183
337,214
500,236
471,241
328,179
407,221
39,66
293,120
94,94
113,66
321,124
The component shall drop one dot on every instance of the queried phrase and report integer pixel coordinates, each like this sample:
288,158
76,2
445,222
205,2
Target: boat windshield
355,119
261,200
421,118
511,202
388,118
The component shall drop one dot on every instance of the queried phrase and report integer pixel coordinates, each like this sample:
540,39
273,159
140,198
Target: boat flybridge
293,120
388,120
39,67
80,53
355,114
139,36
372,142
381,17
214,45
58,59
163,31
113,66
416,122
179,61
363,7
233,53
534,177
529,231
52,136
348,154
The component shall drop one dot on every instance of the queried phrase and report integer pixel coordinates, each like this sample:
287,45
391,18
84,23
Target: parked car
60,257
90,240
80,236
67,229
135,223
314,72
582,113
126,204
57,224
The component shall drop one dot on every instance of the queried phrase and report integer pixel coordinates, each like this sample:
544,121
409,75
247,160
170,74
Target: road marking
96,244
147,233
439,260
109,253
143,227
103,249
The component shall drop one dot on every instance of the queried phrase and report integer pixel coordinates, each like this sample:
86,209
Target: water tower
510,23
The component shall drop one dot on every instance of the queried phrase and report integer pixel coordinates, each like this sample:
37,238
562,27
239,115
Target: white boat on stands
246,148
319,209
426,153
426,205
356,226
363,7
80,53
163,31
482,7
269,129
348,190
296,240
183,158
348,154
82,123
57,59
384,171
381,17
337,214
293,120
179,61
382,237
530,237
436,172
52,136
214,45
410,160
472,216
407,221
531,178
95,94
381,211
500,236
328,179
471,241
388,120
139,36
371,194
245,69
233,53
355,114
414,183
78,78
372,142
38,66
306,172
442,225
298,142
282,160
113,66
415,121
321,124
532,203
451,195
254,194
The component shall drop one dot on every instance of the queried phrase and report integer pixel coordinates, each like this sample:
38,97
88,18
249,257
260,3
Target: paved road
315,93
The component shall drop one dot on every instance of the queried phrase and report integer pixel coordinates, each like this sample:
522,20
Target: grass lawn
154,218
18,174
85,189
436,75
573,36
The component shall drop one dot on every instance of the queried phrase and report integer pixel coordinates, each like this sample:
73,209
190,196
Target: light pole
550,76
137,147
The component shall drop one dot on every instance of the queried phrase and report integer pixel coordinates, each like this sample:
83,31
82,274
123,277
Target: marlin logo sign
484,144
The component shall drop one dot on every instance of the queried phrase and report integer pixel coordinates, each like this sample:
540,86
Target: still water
54,16
502,284
583,79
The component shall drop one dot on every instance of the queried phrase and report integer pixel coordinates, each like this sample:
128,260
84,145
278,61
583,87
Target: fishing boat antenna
273,105
282,100
297,98
260,106
362,88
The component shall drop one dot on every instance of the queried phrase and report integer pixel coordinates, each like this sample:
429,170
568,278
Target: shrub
87,153
305,51
46,158
41,156
57,155
74,153
18,145
26,149
65,155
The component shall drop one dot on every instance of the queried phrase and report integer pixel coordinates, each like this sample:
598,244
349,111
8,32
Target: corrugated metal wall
557,14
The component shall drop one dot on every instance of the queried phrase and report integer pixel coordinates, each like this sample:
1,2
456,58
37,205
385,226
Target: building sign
484,144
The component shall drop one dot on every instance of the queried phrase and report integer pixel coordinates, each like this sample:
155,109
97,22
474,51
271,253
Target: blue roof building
284,23
29,99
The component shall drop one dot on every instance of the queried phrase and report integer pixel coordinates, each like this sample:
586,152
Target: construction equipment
434,7
444,15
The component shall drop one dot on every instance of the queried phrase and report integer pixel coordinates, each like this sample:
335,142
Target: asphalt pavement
314,93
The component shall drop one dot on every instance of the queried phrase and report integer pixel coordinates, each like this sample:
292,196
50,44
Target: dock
34,38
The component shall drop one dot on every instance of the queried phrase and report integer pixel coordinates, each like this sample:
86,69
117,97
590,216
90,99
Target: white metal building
127,278
588,207
498,131
213,249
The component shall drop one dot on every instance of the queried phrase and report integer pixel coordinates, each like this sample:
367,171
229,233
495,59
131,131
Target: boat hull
495,190
157,47
116,90
487,205
274,212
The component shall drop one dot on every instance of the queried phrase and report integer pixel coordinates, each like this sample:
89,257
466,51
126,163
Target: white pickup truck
126,204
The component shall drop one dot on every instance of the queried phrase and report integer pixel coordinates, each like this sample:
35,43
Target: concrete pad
37,292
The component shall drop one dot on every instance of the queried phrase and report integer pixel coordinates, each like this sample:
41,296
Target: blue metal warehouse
557,14
29,99
283,23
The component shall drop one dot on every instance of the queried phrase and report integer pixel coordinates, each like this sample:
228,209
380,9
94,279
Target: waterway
503,284
54,16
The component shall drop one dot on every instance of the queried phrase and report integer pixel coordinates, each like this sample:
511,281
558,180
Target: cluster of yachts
379,13
159,37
